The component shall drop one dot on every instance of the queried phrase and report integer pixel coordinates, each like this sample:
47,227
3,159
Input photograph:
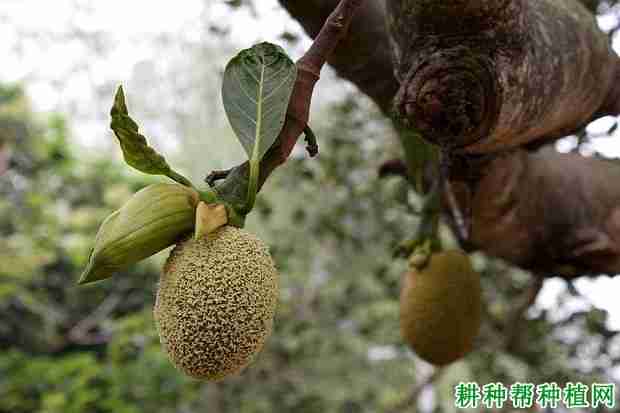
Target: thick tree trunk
484,79
553,213
486,75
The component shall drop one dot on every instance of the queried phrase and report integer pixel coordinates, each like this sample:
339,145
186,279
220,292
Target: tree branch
514,324
486,72
489,75
484,77
555,214
363,55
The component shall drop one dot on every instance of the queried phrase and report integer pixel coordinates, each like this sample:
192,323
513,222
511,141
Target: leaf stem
256,158
180,179
209,196
431,209
252,184
309,67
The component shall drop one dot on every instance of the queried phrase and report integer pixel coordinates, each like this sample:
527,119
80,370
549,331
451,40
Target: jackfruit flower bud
153,219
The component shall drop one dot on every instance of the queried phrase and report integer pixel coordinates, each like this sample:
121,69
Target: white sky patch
600,292
122,20
603,293
607,21
118,16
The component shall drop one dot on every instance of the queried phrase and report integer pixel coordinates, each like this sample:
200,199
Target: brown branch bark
488,77
522,71
485,76
555,214
363,56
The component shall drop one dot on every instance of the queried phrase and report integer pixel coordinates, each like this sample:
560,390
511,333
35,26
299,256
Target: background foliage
332,226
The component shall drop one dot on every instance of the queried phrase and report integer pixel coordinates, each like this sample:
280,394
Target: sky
124,23
45,65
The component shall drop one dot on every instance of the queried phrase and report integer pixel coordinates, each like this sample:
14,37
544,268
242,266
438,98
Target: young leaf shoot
136,151
257,87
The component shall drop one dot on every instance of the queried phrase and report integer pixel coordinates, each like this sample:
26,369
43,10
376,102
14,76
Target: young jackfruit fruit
216,302
440,306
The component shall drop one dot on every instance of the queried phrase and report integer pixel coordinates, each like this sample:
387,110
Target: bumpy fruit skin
216,301
440,308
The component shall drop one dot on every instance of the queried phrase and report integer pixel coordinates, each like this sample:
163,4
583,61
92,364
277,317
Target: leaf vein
245,92
274,90
249,117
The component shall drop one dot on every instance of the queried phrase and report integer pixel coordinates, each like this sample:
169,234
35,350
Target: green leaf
136,151
257,87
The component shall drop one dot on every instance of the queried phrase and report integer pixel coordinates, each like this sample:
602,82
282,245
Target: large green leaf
258,83
136,151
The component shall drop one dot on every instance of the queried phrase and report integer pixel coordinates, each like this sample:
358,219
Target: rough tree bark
488,81
487,75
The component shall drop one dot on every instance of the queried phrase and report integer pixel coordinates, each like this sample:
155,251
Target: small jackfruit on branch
216,301
440,307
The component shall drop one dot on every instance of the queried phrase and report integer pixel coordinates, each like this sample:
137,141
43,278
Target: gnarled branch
363,56
491,77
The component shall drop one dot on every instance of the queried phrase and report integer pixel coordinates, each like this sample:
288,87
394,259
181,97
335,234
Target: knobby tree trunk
484,75
489,80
